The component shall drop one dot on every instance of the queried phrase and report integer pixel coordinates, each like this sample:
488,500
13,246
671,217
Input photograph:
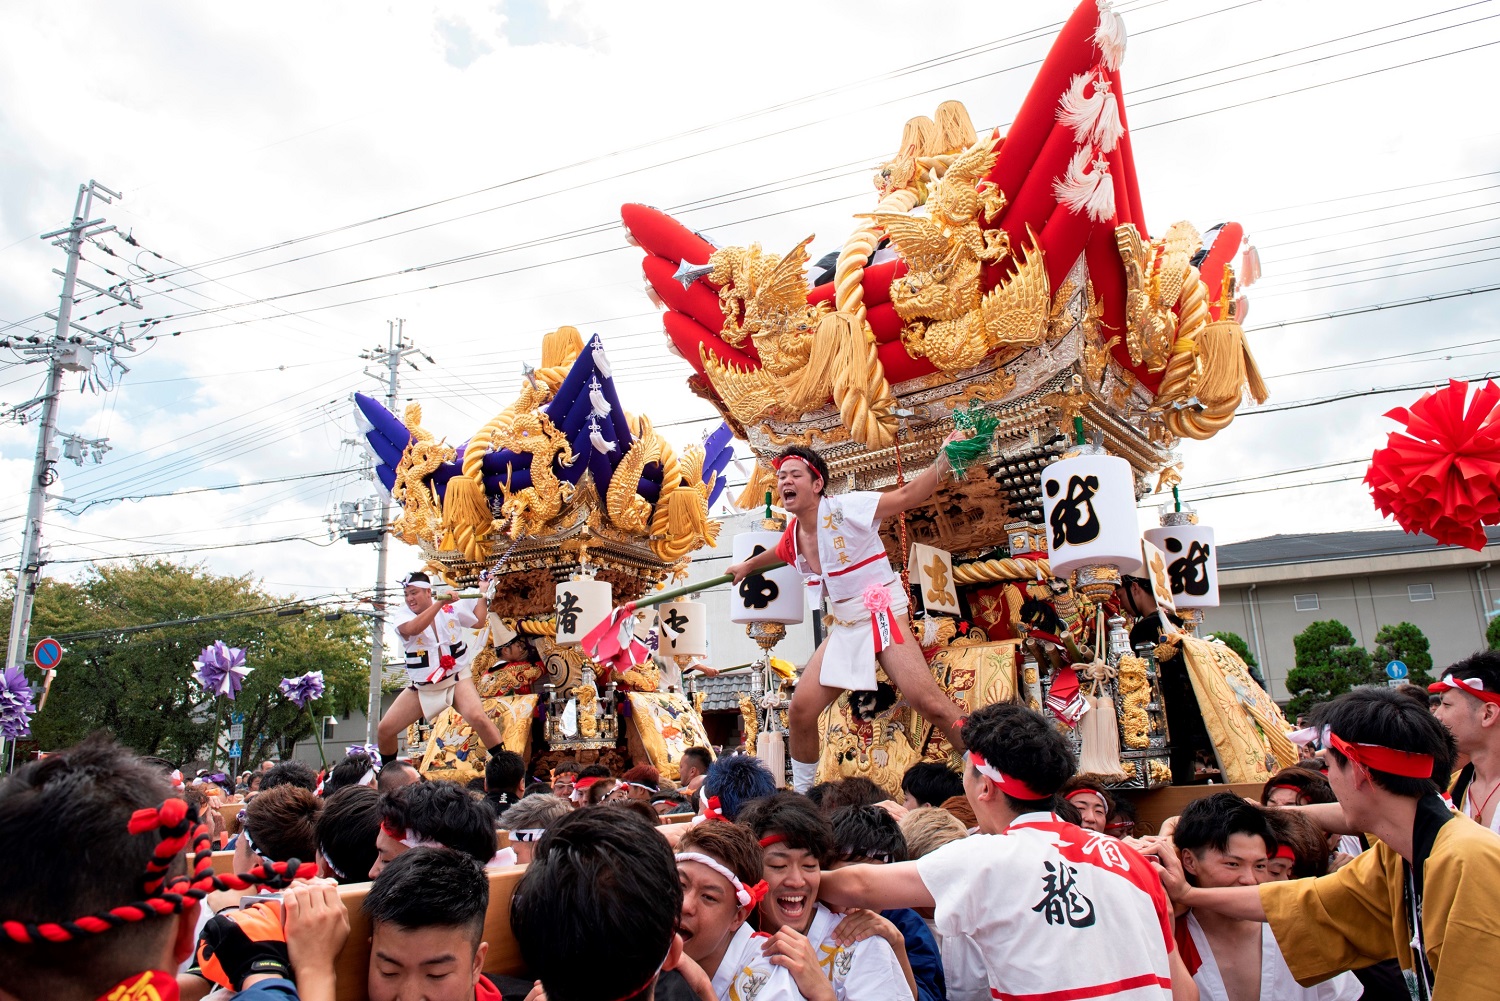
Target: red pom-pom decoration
1442,475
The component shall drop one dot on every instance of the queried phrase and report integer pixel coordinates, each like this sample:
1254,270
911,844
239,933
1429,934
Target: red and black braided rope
180,827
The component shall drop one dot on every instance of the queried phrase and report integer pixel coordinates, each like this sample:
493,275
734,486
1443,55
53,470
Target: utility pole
72,348
396,350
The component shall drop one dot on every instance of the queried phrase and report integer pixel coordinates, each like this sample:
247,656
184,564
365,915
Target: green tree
1492,634
1236,642
1328,664
1406,643
140,686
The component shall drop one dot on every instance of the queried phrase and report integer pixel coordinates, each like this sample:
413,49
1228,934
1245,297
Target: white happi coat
745,974
1055,912
452,632
853,559
1276,981
864,971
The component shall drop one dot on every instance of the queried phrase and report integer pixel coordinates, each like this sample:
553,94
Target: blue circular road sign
1395,670
47,654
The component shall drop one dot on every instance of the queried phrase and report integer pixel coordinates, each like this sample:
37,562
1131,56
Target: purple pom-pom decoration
304,689
221,669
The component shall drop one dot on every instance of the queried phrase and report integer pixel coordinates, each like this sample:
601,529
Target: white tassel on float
1094,119
770,748
1109,36
602,363
601,444
1101,738
599,405
1084,190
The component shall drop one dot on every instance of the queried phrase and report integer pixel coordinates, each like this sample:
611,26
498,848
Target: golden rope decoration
991,571
866,404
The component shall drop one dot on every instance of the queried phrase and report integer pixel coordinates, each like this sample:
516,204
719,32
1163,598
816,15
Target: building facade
1271,589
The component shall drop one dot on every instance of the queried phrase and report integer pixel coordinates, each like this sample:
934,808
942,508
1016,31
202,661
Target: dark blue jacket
921,953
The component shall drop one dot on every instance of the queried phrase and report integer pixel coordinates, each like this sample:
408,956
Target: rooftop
1275,550
722,694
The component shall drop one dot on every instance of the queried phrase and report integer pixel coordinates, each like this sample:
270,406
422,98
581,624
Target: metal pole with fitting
396,349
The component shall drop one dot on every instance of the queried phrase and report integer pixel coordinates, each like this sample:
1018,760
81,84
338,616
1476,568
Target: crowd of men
1365,871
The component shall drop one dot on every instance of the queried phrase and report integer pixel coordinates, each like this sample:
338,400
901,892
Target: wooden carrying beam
353,964
1157,805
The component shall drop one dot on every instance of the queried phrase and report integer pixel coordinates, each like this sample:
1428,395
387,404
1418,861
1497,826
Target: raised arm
875,887
919,489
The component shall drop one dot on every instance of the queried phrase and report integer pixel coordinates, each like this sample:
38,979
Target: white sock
804,775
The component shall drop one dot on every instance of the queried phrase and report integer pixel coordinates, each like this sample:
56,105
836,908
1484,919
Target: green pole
1176,498
317,734
213,752
687,589
1078,430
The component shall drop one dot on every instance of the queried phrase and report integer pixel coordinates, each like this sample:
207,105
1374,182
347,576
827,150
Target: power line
1340,397
589,230
1377,307
301,605
312,539
204,490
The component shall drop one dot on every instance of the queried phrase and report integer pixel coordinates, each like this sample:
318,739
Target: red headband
714,810
1407,764
1472,686
772,839
776,464
1009,785
1283,851
180,829
1080,792
1283,785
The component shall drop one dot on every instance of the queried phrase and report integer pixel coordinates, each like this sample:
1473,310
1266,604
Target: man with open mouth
835,543
719,865
797,842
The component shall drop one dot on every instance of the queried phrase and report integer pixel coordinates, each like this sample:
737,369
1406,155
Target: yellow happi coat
1356,916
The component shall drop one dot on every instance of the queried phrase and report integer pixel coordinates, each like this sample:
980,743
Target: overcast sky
1355,140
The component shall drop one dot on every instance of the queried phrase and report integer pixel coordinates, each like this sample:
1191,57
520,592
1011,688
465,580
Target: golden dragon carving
529,509
948,318
423,455
627,509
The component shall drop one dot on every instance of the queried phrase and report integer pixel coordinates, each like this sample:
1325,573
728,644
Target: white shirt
1471,810
451,630
1055,912
745,974
963,969
1276,980
864,971
848,535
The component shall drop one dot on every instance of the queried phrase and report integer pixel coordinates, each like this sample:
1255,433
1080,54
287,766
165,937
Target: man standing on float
437,661
835,543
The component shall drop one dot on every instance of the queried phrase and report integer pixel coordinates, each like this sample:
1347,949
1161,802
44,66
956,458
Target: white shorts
849,655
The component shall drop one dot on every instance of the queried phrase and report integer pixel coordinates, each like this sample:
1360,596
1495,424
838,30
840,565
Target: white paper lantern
682,629
1192,563
1088,504
580,606
773,596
